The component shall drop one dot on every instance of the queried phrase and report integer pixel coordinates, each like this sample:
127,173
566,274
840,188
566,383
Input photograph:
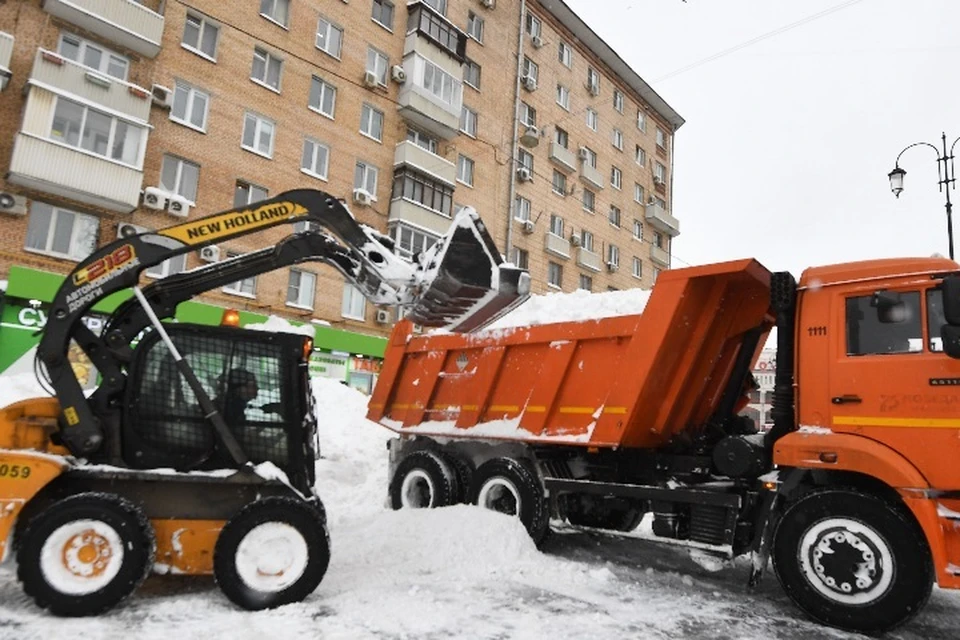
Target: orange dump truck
854,493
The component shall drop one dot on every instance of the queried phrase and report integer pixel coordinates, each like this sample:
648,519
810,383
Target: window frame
469,66
468,115
81,128
554,272
259,121
192,91
178,176
204,22
317,144
474,19
593,116
467,163
237,288
636,268
523,209
565,54
300,288
75,230
367,169
267,58
323,87
368,117
378,57
616,177
346,306
559,179
331,26
618,100
563,97
83,44
271,18
382,4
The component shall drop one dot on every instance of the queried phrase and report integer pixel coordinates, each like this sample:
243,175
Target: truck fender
22,475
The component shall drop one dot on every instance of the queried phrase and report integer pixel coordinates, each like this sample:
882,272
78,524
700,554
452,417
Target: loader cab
259,383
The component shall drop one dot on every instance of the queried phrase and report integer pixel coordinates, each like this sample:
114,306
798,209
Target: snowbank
275,324
19,386
576,306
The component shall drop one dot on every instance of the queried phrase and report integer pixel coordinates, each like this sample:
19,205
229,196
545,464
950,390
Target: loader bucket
465,285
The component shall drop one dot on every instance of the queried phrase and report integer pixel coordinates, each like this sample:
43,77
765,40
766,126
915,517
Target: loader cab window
884,323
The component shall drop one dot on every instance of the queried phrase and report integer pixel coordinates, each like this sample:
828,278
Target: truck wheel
509,486
272,552
853,560
423,480
84,554
463,470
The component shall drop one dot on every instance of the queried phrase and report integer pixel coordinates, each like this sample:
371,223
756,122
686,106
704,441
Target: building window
468,121
559,183
616,178
637,269
660,202
200,35
190,106
371,122
641,156
437,30
528,115
61,232
638,192
258,135
465,170
475,27
447,89
563,97
589,156
439,5
471,74
525,159
586,283
247,194
521,258
616,139
565,54
534,26
530,69
637,230
179,176
426,191
79,126
660,173
593,81
422,140
323,97
276,10
266,69
641,120
658,240
411,242
354,304
661,138
383,13
561,137
329,37
300,289
556,225
586,240
93,56
315,159
378,63
521,210
554,275
614,215
592,119
613,255
618,100
245,287
589,200
656,274
365,177
168,267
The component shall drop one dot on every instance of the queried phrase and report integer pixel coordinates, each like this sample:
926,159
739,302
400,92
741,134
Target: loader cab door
891,380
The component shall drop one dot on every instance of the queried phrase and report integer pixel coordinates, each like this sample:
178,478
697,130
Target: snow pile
20,386
275,324
573,307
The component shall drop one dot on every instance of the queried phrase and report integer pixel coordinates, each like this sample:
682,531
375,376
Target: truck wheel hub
416,491
846,561
499,494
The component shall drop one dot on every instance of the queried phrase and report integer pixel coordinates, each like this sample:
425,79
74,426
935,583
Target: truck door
891,381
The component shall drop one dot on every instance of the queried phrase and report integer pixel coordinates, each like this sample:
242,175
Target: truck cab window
874,330
935,320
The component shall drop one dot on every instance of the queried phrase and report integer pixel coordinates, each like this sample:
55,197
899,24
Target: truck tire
85,553
463,470
423,480
272,552
509,486
853,560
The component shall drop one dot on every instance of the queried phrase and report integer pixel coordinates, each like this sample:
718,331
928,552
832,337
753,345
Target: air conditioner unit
593,88
155,198
370,79
178,206
524,174
537,42
575,240
127,229
162,96
362,197
398,74
13,205
529,83
489,4
527,226
612,267
383,316
657,180
210,253
584,153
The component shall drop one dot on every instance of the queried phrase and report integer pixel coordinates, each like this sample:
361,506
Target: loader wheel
511,487
853,560
273,552
84,554
423,480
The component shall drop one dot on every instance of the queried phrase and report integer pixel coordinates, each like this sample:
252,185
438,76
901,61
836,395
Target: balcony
589,259
426,25
591,175
419,216
408,153
128,23
6,51
432,95
556,245
565,160
660,256
658,217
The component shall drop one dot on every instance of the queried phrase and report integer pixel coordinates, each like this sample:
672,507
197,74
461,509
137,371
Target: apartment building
123,115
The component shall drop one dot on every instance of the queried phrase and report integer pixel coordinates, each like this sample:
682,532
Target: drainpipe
673,155
516,127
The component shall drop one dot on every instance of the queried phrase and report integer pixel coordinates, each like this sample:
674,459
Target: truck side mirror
950,335
889,307
951,299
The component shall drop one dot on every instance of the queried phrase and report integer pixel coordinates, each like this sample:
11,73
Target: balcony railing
419,216
422,160
556,245
565,159
125,22
432,96
591,175
660,256
589,259
659,218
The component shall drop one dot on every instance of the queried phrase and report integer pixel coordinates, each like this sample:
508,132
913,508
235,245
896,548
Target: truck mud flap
466,284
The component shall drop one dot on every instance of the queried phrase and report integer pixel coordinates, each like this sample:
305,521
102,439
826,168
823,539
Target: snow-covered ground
457,572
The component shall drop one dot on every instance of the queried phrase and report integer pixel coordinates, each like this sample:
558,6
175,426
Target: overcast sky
787,143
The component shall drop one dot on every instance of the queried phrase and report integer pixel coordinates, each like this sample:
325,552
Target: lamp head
896,180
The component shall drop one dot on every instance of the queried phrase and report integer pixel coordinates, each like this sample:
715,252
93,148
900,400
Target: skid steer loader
169,465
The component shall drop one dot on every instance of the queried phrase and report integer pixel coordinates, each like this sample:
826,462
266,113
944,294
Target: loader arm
459,283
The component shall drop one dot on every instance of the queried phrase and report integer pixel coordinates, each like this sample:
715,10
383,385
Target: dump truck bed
626,381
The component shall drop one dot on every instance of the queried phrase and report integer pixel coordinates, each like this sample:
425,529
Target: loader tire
423,480
512,487
84,554
272,552
853,560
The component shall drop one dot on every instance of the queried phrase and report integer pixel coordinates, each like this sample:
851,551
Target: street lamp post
945,172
